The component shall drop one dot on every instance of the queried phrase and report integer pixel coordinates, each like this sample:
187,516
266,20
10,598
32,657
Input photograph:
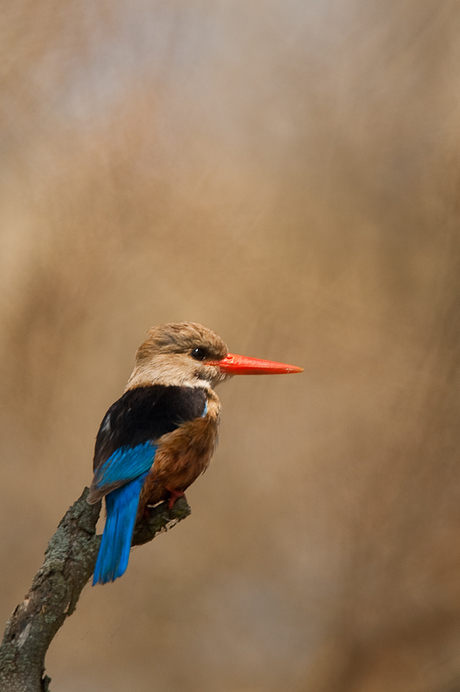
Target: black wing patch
145,414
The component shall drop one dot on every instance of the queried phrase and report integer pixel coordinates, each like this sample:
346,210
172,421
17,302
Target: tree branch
69,563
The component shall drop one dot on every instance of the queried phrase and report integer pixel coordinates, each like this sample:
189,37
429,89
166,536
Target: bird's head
186,353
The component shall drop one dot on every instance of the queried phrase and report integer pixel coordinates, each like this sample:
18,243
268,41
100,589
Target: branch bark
69,563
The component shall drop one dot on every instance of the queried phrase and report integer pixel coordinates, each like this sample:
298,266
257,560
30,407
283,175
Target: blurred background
286,173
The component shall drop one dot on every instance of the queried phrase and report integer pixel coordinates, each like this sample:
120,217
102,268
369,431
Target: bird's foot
173,496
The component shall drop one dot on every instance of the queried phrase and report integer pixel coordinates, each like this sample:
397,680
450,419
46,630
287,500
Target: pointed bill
242,365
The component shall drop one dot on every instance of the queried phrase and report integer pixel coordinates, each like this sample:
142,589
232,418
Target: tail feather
113,556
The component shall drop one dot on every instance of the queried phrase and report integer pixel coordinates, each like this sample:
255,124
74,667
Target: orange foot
174,495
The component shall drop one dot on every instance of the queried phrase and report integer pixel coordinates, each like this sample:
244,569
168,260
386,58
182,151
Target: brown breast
182,456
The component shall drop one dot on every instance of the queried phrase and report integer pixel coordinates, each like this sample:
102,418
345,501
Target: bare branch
69,563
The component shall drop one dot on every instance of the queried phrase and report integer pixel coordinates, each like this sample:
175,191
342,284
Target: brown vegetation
285,173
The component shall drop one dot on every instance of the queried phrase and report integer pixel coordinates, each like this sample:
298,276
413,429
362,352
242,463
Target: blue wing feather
129,465
125,464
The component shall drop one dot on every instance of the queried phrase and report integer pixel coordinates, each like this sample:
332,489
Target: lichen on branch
69,563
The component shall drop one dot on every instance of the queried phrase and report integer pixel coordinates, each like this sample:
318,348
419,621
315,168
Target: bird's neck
148,377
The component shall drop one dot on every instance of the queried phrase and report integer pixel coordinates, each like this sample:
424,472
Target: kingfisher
156,440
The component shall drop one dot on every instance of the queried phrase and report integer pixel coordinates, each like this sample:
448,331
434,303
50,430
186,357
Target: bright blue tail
113,556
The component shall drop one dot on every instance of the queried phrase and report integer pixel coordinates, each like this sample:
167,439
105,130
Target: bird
156,440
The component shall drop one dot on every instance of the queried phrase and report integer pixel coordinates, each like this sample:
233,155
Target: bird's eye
199,353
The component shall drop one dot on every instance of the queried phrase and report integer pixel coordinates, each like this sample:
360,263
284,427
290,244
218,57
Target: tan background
286,173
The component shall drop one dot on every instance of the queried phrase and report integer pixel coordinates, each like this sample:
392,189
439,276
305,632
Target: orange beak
242,365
